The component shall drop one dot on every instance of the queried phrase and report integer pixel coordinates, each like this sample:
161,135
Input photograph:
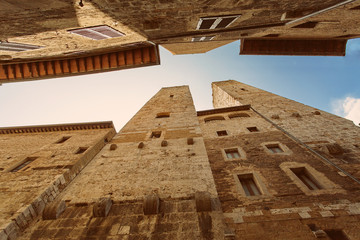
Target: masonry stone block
151,204
203,202
102,208
54,210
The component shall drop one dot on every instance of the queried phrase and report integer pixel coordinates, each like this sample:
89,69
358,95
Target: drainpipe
321,11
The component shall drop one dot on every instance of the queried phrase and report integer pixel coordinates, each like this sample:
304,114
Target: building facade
45,39
257,166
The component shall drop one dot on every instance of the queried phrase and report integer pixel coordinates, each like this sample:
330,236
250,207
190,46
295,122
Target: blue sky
328,83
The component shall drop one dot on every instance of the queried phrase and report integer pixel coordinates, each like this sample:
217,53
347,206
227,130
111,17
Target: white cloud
348,108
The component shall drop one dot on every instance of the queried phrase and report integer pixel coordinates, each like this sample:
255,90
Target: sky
331,84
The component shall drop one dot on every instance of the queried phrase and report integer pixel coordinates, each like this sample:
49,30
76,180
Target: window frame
92,29
258,180
218,20
20,163
285,150
203,39
17,47
222,133
240,151
328,187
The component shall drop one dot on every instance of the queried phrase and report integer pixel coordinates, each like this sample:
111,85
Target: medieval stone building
257,166
46,39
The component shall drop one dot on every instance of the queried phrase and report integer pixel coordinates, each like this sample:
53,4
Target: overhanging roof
127,56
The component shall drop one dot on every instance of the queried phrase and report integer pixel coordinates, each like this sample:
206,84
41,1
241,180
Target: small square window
249,185
222,133
97,32
63,139
232,153
306,178
253,129
274,148
156,134
81,150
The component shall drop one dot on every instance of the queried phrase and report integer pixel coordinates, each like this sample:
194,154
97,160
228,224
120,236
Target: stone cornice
57,127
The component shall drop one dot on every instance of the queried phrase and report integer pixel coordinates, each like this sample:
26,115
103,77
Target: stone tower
258,166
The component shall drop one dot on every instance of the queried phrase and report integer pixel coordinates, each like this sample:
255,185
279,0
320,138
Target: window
215,118
81,150
16,47
163,115
232,153
249,185
336,234
238,115
156,134
306,178
23,164
63,139
252,129
202,39
274,148
98,32
221,133
216,22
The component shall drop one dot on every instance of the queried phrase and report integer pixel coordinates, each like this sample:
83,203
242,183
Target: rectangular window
222,133
81,150
16,47
306,178
97,32
26,162
232,153
156,134
216,22
336,234
202,39
63,139
252,129
274,148
249,185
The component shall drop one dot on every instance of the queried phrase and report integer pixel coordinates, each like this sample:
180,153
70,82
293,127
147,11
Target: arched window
238,115
214,118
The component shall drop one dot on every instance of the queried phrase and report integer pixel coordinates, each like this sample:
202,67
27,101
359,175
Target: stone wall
26,192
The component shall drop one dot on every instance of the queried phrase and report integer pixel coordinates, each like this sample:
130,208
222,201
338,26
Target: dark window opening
216,118
249,185
232,153
162,115
272,35
306,25
98,32
81,150
26,162
306,178
274,148
253,129
156,134
225,22
336,234
355,8
238,115
207,23
171,95
222,133
63,139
